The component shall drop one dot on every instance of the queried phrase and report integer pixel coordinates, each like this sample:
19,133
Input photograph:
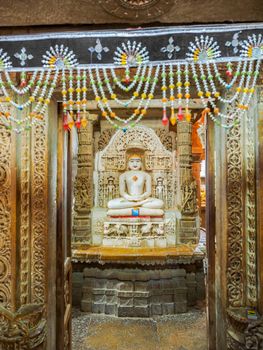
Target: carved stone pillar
238,230
83,186
259,199
23,235
249,132
187,195
7,221
184,147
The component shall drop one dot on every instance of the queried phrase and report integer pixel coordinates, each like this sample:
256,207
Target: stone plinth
134,292
140,282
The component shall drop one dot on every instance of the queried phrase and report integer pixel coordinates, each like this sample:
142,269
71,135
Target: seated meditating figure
135,190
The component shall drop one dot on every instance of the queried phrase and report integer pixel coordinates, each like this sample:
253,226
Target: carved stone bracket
254,336
243,334
24,329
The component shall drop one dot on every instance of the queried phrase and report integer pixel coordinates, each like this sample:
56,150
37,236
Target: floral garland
39,100
143,103
138,79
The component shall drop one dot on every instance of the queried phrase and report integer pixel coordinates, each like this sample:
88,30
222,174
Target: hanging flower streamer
25,100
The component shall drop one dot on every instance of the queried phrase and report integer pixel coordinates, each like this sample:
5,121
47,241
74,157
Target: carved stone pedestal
134,232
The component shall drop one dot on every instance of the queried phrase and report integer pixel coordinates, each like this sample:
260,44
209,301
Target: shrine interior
131,260
103,237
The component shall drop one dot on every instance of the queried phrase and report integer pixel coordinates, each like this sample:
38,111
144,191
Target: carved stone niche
110,163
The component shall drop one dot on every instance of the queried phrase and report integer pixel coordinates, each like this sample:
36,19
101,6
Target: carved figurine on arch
160,190
111,188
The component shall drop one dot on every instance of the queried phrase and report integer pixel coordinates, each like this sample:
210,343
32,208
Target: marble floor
177,332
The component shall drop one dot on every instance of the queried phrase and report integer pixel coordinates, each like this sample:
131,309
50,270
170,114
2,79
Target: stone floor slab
172,332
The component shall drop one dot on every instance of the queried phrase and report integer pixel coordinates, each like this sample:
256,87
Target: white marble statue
135,190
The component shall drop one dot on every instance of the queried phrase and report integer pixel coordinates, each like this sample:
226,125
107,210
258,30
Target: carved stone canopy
135,145
113,157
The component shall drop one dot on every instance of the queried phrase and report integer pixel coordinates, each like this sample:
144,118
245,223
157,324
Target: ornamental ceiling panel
135,10
90,12
220,43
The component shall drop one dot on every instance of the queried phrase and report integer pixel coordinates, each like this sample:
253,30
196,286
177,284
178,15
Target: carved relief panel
6,218
39,212
83,185
241,278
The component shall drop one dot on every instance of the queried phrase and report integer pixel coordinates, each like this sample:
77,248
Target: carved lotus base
134,232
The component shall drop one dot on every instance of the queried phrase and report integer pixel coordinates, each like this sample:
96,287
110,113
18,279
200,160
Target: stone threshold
179,254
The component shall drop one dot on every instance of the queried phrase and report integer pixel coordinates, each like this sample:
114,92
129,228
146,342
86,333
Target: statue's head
159,181
135,161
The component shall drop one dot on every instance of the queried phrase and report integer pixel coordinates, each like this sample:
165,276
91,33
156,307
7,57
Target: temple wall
25,253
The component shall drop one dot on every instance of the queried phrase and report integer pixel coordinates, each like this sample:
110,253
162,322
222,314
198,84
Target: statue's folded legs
120,203
136,211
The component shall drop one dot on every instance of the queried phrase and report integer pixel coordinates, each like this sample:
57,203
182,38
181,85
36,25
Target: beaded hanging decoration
136,77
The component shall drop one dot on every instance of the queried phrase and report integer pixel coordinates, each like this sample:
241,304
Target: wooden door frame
259,186
217,231
63,252
210,233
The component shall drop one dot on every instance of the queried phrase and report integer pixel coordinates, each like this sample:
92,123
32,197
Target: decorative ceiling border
162,45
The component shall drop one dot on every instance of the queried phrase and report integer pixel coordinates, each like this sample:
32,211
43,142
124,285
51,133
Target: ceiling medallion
137,9
138,4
